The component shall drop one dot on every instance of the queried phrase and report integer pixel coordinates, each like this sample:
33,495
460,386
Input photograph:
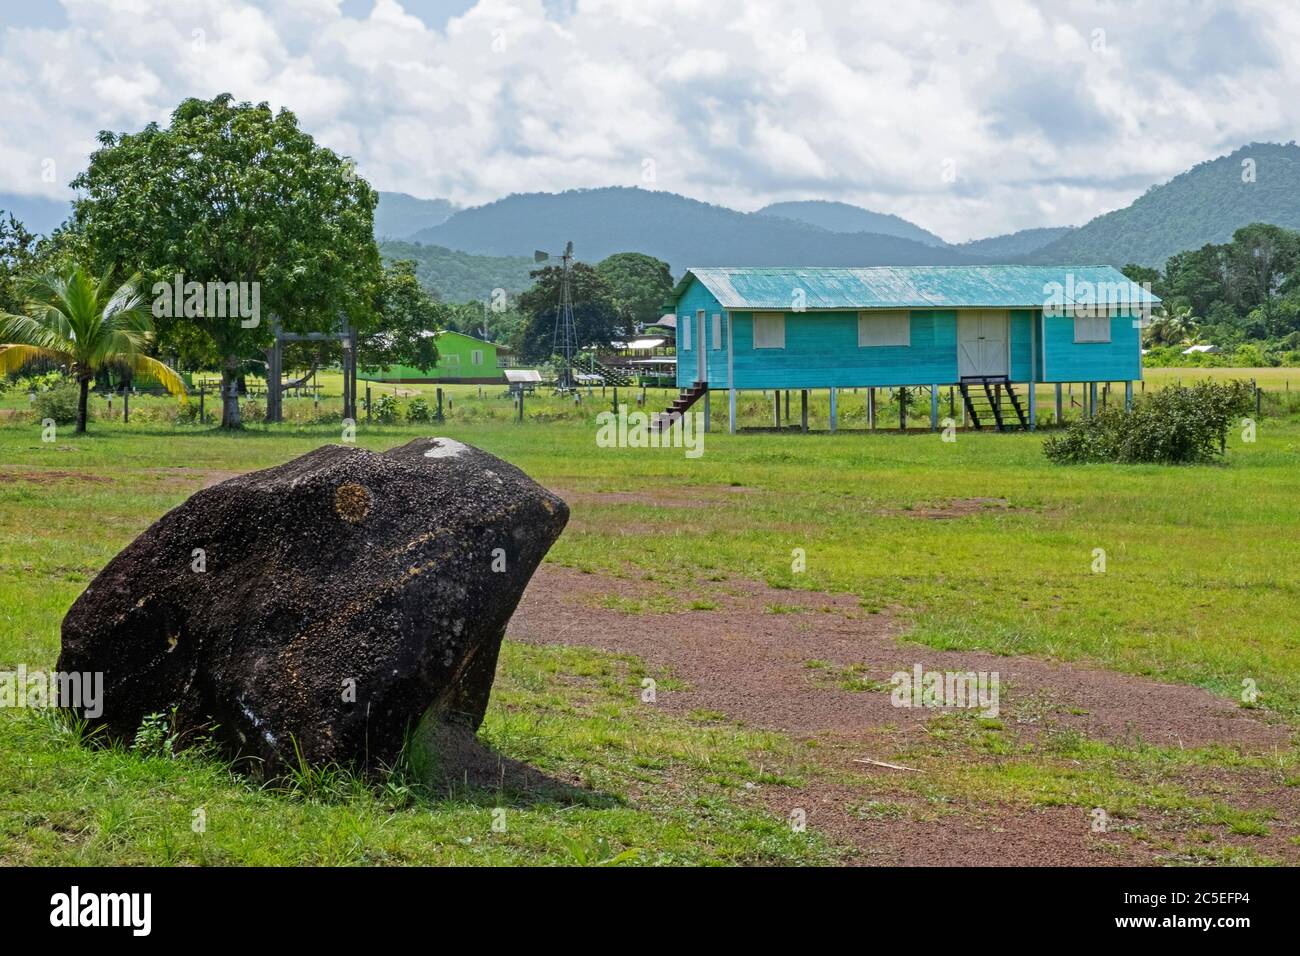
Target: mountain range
399,215
841,217
465,253
1258,183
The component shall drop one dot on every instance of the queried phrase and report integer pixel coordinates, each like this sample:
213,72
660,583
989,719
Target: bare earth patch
695,496
957,508
817,666
53,475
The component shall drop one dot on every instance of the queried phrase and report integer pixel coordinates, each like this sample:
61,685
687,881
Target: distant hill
38,214
1013,245
398,215
495,241
683,232
1205,204
842,217
459,276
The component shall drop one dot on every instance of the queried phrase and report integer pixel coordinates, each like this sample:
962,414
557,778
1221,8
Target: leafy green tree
408,320
595,313
234,193
1197,278
17,253
492,320
1143,275
85,324
1260,259
639,284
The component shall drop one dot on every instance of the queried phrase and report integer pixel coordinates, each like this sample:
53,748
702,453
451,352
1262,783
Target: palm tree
84,324
1177,327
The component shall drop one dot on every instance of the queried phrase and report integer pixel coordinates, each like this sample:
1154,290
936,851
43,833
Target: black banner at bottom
334,905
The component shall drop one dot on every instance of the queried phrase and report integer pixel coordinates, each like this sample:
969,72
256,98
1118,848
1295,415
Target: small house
462,359
982,329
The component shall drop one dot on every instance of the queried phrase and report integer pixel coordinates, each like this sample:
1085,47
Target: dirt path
817,666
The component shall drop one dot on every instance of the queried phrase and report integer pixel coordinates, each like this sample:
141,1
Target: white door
981,342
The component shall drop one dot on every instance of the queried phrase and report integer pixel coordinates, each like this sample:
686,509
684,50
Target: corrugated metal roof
912,287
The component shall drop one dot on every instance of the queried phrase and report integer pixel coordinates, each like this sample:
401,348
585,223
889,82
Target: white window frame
774,322
453,360
717,331
476,357
873,331
686,333
1097,334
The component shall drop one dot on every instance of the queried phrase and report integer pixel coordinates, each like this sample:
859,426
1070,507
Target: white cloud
1051,111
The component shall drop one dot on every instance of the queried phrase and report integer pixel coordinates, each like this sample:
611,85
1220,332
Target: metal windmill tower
564,339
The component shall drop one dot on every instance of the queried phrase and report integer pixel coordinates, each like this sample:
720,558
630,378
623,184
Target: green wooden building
462,360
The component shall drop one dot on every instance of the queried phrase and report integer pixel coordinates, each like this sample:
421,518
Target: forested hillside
1206,204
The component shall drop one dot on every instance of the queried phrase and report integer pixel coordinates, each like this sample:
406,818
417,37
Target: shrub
59,403
34,383
386,410
1172,426
155,738
419,411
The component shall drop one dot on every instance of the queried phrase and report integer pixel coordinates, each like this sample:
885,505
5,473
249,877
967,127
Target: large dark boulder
342,596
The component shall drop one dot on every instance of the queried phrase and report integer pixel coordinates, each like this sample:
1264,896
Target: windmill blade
568,249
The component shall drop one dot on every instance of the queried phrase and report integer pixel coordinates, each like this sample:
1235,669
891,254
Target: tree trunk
230,394
82,403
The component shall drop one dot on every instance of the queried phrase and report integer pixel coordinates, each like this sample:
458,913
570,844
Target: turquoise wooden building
981,329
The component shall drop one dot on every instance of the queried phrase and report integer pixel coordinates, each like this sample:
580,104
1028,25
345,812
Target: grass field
1201,584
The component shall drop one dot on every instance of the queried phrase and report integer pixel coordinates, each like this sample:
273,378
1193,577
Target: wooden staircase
610,375
684,400
985,395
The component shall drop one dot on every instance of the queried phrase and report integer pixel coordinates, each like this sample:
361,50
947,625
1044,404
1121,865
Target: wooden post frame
275,366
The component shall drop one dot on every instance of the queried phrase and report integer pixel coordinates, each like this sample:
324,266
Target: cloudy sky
969,118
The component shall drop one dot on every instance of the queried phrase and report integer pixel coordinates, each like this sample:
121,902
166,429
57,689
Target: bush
59,403
419,411
22,384
1172,426
386,410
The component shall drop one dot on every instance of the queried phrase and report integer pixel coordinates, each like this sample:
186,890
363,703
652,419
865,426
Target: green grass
64,803
1201,587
